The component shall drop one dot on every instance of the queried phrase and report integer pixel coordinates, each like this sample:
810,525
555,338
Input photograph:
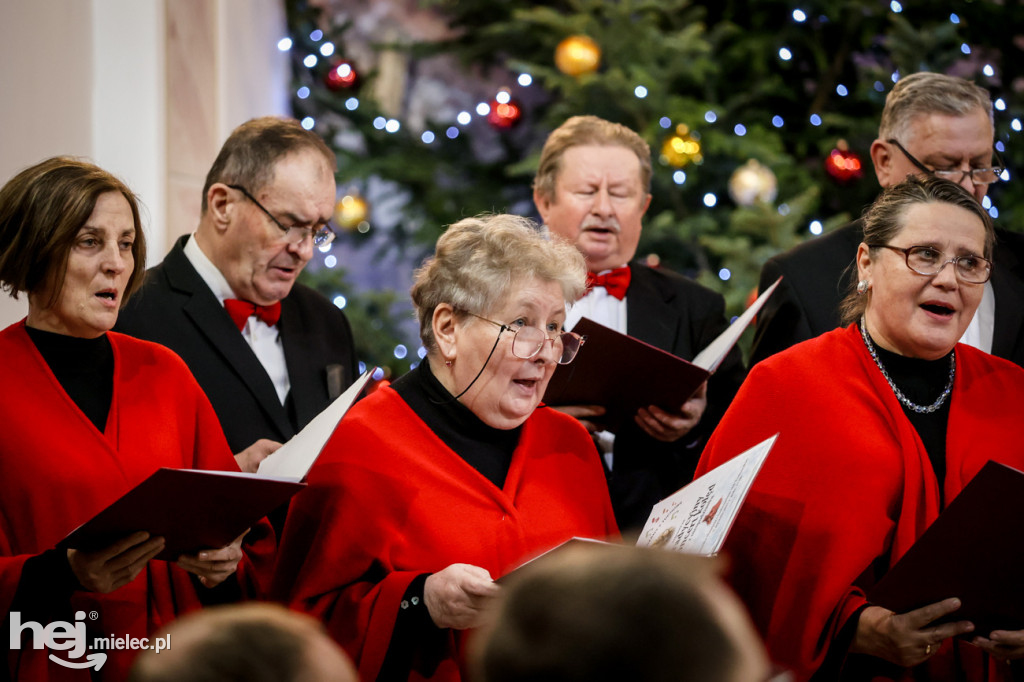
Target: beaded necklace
921,409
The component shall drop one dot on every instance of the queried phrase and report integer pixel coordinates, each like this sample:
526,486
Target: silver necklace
921,409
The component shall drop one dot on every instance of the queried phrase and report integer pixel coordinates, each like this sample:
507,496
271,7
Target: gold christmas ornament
577,55
350,211
681,148
753,182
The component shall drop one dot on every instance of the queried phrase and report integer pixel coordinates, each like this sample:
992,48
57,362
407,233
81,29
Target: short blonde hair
477,260
587,130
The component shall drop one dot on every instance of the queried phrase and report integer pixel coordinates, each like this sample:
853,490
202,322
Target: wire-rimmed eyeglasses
979,176
528,341
929,261
322,236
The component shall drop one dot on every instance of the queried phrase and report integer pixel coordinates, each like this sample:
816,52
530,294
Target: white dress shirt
601,307
264,339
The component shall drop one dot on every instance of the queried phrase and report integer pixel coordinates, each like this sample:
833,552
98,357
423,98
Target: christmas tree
760,115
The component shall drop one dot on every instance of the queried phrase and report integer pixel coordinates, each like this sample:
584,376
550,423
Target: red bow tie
614,281
240,311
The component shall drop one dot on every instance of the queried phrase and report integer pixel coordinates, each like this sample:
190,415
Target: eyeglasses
322,236
528,341
979,176
927,260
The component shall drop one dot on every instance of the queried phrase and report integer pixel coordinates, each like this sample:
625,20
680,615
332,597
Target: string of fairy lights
577,55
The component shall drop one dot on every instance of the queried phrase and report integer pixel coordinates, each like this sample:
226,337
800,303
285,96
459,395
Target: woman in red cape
435,486
88,415
880,425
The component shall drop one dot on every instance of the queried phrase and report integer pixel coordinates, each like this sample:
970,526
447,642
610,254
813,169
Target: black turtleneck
485,448
922,382
84,368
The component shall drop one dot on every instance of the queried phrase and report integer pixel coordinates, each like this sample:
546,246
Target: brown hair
883,221
254,641
42,208
253,149
609,613
478,259
587,130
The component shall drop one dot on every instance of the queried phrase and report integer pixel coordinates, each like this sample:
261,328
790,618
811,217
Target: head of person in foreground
619,613
253,642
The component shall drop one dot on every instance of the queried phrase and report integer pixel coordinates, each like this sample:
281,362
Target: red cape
57,471
388,500
848,483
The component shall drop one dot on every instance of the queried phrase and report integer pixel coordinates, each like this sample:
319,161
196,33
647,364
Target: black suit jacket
678,315
177,309
817,275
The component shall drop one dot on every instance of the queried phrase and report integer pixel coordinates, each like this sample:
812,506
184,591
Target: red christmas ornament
842,164
504,115
342,76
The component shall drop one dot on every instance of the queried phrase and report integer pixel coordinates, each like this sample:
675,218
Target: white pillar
90,78
129,126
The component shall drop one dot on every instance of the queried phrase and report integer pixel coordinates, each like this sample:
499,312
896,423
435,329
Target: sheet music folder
623,373
696,518
191,509
973,552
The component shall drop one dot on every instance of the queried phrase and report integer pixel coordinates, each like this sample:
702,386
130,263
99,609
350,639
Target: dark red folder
623,374
191,509
973,551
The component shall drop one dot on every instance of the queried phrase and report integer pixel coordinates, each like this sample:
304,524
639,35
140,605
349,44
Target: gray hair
921,94
478,259
883,221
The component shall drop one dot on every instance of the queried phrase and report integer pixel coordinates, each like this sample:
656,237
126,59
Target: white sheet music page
696,519
711,357
294,459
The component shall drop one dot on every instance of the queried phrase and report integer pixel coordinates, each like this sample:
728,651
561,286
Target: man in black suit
932,124
269,353
593,188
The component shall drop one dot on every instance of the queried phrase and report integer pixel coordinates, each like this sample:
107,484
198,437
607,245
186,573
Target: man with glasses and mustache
932,124
270,353
592,188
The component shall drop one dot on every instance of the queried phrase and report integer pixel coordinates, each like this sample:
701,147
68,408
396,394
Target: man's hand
250,458
669,427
